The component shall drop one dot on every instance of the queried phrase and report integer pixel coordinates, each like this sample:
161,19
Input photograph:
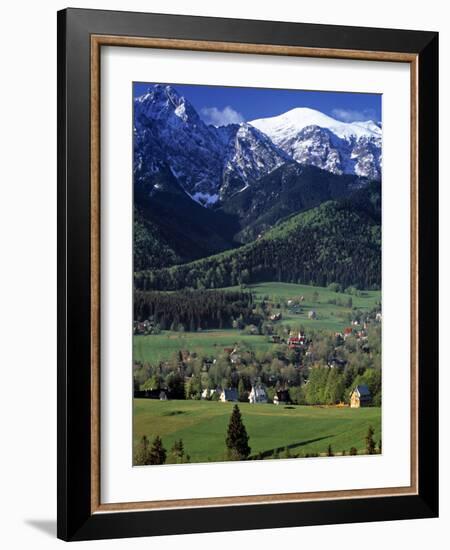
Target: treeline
333,243
193,310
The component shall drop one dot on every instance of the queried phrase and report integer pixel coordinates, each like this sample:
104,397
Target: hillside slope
290,189
338,241
190,230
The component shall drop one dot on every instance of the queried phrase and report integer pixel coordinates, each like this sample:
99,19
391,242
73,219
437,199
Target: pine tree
353,451
157,454
330,451
237,438
177,452
141,455
370,442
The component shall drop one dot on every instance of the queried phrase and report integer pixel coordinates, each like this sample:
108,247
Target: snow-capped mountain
249,155
211,164
311,137
169,133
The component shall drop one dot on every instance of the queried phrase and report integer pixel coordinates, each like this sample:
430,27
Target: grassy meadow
330,317
209,342
202,426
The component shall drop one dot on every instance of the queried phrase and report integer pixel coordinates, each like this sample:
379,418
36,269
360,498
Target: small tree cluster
146,454
177,454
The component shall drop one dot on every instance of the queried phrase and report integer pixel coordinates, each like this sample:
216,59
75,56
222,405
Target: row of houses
297,310
151,394
359,334
360,396
258,394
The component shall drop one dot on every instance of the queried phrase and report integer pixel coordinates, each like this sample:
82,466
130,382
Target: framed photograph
247,274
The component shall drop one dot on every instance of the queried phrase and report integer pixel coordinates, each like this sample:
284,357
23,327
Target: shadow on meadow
277,450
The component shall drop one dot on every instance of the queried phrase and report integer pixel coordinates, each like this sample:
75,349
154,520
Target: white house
282,396
230,394
258,394
360,397
208,393
235,356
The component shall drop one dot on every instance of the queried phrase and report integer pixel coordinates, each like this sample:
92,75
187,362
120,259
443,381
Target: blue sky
221,105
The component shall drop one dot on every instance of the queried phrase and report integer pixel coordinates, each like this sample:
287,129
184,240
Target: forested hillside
290,189
168,216
150,247
335,242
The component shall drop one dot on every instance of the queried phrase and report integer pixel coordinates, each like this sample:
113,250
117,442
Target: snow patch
205,198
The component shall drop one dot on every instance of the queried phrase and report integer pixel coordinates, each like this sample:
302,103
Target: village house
207,393
281,397
187,356
348,331
275,317
336,363
258,394
235,356
144,327
252,329
297,341
230,394
207,364
360,397
151,394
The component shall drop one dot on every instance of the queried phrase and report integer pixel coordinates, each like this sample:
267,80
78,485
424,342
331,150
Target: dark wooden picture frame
81,34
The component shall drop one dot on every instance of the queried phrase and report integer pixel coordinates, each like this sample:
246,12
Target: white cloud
353,115
217,117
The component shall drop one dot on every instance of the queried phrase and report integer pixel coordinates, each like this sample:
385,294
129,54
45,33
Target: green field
156,348
209,342
202,425
329,316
